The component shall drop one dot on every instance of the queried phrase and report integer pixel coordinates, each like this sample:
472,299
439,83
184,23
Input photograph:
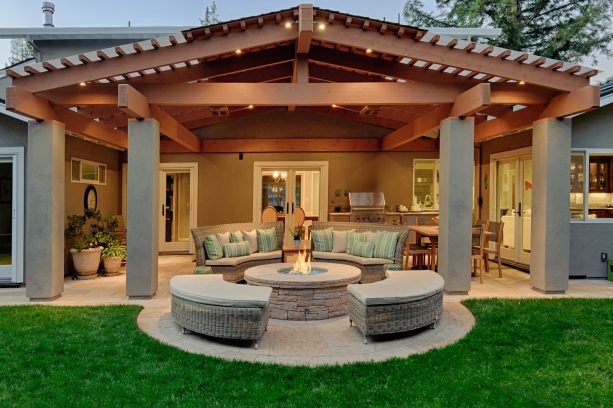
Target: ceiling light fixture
238,51
288,24
250,107
522,82
368,51
82,83
321,26
334,106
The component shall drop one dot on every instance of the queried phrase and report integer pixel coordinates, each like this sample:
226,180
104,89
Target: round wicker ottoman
406,300
209,305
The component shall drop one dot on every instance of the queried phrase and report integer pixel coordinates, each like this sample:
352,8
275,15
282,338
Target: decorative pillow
252,238
322,240
352,238
363,249
223,238
385,244
371,236
267,240
236,236
212,247
234,249
339,241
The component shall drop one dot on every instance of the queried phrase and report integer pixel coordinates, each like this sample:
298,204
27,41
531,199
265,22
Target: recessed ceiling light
82,83
368,50
334,105
250,107
238,51
288,24
321,26
522,82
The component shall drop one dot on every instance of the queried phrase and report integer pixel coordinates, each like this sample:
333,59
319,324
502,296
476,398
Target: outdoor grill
367,207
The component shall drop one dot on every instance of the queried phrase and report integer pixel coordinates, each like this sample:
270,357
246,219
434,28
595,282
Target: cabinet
600,174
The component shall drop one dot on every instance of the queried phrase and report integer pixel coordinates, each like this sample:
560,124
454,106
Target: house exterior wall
588,239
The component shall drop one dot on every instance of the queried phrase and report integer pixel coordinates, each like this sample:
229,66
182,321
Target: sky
109,13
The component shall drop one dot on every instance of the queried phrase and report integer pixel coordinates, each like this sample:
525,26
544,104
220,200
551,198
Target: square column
456,202
143,200
549,259
44,240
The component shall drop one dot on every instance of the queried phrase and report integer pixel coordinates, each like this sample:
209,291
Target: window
425,184
591,185
89,172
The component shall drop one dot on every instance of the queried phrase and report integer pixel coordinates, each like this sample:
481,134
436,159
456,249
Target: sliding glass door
11,216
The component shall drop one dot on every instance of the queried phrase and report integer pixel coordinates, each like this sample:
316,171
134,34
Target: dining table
432,232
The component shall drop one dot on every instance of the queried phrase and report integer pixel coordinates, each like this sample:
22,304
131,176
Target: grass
549,353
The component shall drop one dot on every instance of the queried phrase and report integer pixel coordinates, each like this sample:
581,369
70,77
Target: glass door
514,207
177,214
8,220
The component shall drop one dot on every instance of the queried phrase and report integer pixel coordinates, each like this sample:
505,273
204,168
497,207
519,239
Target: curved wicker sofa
235,268
373,269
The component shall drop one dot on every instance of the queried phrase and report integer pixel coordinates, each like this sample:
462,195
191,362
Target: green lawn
521,353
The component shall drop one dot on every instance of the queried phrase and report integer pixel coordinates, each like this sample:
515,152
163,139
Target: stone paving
311,343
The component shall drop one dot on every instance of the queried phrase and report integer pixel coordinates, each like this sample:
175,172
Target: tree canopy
20,50
210,15
568,30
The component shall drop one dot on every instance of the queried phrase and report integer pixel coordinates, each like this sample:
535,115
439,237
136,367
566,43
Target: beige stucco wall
225,191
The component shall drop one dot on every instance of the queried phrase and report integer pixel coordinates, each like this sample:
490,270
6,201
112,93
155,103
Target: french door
178,206
512,205
289,185
11,214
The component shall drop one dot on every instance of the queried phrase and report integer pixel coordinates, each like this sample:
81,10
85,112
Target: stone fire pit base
305,297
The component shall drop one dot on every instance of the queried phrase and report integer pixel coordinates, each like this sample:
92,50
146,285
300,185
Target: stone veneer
306,297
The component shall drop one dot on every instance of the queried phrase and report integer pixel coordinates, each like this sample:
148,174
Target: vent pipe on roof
48,10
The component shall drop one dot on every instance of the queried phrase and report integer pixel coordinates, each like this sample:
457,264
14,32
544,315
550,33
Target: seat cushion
399,287
351,258
257,256
213,290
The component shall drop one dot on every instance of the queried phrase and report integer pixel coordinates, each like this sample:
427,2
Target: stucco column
456,199
44,240
143,197
549,259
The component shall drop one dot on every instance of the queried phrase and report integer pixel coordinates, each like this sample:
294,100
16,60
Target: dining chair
299,216
495,236
419,254
269,214
477,255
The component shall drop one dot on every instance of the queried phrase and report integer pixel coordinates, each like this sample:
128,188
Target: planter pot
112,265
86,262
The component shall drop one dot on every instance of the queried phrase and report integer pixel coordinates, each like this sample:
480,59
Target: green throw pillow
322,240
212,247
267,240
385,244
352,239
234,249
363,249
236,236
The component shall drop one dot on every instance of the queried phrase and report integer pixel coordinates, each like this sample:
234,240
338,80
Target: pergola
416,84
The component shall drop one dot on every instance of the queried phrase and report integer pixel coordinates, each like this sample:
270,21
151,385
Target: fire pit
315,292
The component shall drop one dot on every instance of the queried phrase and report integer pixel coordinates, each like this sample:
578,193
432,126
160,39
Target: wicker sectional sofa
373,269
233,269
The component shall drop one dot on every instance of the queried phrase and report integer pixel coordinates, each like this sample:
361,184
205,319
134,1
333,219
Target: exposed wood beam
414,130
136,105
453,57
219,45
354,115
472,101
305,28
23,102
209,120
510,122
260,74
300,71
572,103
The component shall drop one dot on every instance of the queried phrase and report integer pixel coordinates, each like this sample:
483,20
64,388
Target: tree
20,50
568,30
210,15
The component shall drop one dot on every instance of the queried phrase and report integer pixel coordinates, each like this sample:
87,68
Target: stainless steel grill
367,207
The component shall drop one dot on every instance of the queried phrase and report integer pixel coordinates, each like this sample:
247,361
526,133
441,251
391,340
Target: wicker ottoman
405,301
208,305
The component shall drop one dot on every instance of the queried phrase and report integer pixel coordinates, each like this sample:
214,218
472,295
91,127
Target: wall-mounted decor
90,198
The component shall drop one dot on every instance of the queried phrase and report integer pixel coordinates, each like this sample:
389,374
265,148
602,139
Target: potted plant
84,247
297,233
112,256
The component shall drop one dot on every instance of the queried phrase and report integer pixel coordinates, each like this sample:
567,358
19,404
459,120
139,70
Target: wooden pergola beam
23,102
136,105
300,73
305,28
510,122
472,101
451,57
572,103
268,34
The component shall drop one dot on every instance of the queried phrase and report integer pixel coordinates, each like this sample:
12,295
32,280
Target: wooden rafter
305,28
510,122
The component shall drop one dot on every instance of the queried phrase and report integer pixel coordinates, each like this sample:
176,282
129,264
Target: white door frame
17,156
260,166
192,168
517,154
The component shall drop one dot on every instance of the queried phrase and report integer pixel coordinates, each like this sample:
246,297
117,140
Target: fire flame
302,265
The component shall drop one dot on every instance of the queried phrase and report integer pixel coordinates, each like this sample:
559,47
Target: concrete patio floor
302,343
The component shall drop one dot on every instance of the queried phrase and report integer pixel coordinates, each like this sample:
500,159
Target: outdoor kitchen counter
345,216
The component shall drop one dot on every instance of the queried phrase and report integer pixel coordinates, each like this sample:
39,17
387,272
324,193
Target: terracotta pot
86,261
112,265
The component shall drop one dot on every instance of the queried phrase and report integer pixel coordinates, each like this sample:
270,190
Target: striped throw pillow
234,249
385,244
353,238
212,247
363,249
236,236
267,240
322,240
